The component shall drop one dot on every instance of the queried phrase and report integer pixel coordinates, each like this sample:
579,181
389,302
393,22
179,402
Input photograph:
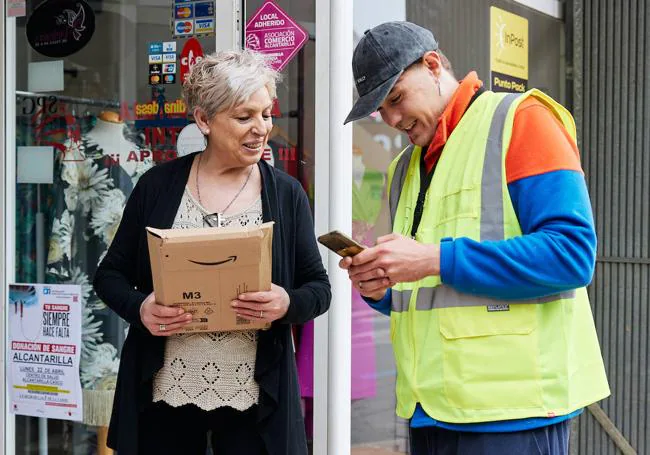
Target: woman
240,387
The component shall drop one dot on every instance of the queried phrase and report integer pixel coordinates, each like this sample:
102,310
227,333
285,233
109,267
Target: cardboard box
203,270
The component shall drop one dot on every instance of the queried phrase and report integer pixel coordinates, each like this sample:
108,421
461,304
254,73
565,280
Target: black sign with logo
58,28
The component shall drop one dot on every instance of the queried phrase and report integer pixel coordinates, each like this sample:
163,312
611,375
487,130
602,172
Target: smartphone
341,244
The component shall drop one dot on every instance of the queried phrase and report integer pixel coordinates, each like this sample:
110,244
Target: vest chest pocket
491,356
460,204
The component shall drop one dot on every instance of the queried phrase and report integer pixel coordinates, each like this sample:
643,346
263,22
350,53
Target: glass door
97,102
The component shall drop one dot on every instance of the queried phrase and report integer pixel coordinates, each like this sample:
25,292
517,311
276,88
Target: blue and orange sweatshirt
558,249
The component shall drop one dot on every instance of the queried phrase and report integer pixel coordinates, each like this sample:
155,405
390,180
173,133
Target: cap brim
370,102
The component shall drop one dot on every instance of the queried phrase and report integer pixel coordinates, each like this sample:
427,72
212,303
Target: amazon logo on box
203,270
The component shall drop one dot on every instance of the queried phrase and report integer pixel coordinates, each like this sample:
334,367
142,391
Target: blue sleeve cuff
383,305
447,260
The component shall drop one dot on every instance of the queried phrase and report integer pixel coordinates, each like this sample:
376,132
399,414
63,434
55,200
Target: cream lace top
210,370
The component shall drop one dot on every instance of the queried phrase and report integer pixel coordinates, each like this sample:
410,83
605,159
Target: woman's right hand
162,320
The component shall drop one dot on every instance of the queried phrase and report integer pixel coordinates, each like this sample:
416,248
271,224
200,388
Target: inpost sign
508,51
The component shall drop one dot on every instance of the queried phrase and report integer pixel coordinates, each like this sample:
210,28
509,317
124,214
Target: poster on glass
44,350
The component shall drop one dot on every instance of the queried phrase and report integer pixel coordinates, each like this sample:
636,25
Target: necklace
210,219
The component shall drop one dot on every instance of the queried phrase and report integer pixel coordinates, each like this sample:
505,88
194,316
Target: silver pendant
213,220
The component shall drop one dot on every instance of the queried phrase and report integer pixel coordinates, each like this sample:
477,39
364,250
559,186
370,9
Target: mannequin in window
107,137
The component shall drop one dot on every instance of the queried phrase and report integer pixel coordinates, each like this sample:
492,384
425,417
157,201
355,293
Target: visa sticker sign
203,26
191,54
271,31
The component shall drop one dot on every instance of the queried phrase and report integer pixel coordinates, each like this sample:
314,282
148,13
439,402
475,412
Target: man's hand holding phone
372,284
395,259
374,288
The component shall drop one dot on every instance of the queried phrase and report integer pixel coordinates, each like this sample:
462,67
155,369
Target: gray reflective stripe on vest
445,297
397,183
492,180
492,225
399,301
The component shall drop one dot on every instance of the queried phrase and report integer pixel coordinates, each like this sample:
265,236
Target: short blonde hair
223,80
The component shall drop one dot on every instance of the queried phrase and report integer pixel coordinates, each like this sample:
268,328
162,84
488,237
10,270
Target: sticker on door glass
184,11
155,48
183,28
191,18
168,46
60,28
203,26
204,9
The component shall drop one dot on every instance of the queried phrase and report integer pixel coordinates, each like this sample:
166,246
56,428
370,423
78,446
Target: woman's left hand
262,306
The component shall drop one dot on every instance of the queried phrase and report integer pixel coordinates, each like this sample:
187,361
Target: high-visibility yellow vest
466,358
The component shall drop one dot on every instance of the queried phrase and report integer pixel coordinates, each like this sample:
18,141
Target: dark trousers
184,430
550,440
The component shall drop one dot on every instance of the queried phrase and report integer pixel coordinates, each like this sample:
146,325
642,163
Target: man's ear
433,62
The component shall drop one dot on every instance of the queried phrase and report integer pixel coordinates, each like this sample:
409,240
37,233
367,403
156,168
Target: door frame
8,215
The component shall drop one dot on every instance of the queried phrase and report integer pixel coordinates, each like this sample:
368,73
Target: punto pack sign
508,51
58,28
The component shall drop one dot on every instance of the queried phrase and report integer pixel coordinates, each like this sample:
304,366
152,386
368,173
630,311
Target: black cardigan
123,280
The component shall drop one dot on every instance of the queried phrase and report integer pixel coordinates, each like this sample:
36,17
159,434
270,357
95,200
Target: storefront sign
58,28
271,31
44,349
508,51
191,54
16,8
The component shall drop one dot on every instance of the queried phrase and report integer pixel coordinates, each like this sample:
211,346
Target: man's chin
419,142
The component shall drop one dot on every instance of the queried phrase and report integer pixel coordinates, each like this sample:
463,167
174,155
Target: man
493,244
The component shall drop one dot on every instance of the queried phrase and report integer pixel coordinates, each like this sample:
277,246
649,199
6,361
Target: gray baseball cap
379,59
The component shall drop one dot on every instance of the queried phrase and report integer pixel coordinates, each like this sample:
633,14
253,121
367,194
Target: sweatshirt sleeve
383,305
557,250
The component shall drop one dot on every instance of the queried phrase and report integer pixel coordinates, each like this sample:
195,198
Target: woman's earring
439,91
